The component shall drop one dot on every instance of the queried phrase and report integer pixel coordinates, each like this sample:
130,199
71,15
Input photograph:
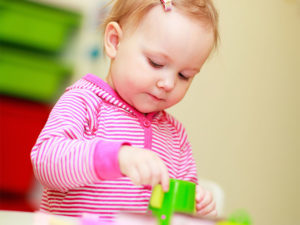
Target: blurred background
241,112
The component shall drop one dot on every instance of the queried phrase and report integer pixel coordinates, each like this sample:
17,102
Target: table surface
14,218
39,218
30,218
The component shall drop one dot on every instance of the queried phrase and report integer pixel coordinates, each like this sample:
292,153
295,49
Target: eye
183,77
154,64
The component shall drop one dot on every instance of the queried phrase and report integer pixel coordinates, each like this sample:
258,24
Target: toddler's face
155,64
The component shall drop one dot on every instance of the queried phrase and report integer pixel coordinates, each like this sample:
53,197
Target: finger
155,174
145,173
165,179
200,193
213,214
207,209
134,175
207,199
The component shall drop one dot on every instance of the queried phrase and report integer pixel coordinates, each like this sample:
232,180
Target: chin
147,110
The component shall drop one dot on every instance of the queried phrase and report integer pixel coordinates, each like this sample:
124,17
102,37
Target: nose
166,82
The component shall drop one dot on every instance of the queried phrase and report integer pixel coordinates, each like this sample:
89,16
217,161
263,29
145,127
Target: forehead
175,34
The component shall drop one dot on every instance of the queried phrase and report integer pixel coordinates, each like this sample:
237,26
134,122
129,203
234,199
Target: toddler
107,143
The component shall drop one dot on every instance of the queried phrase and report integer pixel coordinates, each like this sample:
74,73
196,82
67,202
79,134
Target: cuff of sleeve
106,161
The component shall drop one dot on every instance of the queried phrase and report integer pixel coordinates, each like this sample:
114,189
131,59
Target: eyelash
157,66
183,77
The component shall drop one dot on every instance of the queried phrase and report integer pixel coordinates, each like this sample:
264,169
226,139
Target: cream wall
242,110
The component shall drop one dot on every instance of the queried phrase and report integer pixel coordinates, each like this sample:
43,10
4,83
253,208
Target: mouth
156,98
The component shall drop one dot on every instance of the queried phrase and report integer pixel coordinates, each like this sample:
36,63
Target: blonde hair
130,12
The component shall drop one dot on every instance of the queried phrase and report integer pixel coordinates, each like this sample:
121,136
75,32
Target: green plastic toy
239,217
180,198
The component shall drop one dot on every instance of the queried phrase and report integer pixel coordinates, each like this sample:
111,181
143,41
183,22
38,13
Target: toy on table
178,203
239,217
236,218
180,198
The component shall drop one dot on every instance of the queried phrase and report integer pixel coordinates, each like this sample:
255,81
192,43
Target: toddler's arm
64,155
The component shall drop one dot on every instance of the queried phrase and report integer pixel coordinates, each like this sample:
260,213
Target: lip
155,97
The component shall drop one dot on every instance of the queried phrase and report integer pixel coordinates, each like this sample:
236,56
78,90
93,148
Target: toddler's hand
205,205
143,167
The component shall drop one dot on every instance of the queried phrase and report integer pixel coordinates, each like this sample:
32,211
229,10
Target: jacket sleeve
67,153
188,166
187,170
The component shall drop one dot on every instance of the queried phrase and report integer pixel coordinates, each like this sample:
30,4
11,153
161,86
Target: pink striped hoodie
75,156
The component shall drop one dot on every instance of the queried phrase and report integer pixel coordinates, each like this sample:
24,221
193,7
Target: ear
112,37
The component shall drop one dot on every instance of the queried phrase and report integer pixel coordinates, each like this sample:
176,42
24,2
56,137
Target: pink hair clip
167,4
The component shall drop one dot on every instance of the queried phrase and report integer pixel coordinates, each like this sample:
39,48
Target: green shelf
36,25
31,75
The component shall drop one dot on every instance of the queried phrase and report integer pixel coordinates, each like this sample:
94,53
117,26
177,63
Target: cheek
132,71
141,72
179,93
